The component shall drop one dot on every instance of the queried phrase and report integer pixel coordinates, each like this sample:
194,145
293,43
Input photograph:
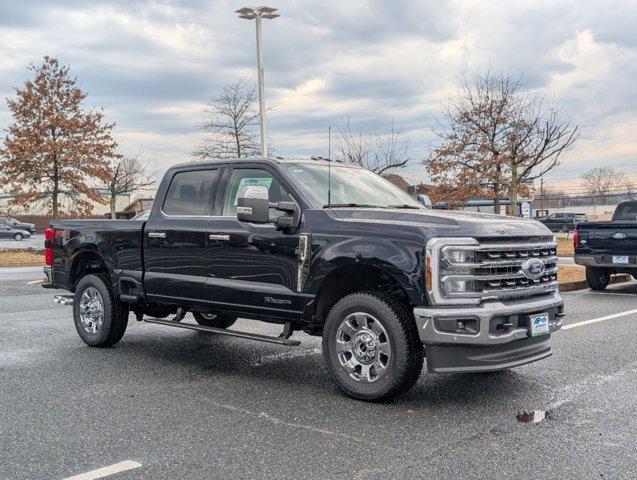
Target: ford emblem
533,268
619,235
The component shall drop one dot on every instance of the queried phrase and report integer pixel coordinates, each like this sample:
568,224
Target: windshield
350,186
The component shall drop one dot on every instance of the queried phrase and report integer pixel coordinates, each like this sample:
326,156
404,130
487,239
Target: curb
581,284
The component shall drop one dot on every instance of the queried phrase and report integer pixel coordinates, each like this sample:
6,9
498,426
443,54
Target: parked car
12,222
610,247
563,221
9,232
336,252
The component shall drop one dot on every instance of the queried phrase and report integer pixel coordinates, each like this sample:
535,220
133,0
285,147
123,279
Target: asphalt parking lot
181,404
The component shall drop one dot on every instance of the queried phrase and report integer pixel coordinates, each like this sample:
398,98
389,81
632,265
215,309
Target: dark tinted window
627,211
190,193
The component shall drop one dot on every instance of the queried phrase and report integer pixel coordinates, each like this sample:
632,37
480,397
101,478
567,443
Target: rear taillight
576,237
49,238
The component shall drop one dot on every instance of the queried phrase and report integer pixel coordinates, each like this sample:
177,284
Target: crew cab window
243,178
190,193
557,215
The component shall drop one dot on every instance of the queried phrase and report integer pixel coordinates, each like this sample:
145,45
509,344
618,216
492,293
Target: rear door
252,267
175,238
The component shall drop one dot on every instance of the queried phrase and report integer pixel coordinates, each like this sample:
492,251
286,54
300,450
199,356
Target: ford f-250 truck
605,248
322,247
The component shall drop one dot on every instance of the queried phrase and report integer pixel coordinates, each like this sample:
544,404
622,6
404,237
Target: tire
95,293
18,237
379,369
597,278
213,320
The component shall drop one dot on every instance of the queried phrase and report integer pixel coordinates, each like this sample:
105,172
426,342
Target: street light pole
256,14
264,146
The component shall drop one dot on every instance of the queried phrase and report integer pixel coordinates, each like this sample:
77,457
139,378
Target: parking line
600,319
106,471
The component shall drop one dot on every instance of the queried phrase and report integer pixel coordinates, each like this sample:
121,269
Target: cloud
152,65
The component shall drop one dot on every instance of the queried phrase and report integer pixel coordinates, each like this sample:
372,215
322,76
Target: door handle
156,234
217,236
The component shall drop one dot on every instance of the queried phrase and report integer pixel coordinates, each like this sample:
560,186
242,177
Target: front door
175,238
253,267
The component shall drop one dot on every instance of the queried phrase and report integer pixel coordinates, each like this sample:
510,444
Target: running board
224,331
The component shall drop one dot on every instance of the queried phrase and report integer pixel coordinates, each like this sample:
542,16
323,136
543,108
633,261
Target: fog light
460,256
461,286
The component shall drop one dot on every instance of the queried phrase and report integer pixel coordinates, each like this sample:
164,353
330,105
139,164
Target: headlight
460,256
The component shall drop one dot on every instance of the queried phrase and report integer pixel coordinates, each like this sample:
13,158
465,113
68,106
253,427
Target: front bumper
494,336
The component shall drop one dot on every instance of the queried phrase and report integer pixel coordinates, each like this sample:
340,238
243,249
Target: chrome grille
489,270
498,269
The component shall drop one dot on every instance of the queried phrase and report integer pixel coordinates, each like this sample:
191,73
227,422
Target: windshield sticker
252,182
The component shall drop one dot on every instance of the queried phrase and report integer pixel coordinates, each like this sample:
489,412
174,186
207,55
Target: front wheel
18,237
100,318
597,278
214,320
371,346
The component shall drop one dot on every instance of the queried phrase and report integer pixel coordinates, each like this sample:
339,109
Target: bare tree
536,141
379,152
231,119
127,174
497,137
602,181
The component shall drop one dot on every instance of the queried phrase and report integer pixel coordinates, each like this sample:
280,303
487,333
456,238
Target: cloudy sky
152,65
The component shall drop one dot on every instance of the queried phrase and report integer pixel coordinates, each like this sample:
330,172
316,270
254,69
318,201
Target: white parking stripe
106,471
600,319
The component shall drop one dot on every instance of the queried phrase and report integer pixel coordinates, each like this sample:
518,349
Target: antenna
329,165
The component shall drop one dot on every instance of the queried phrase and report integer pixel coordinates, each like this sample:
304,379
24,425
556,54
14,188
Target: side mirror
291,218
253,205
425,201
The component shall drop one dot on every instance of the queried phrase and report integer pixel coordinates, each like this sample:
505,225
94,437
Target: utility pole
252,13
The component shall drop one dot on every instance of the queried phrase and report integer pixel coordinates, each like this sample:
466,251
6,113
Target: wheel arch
356,277
85,263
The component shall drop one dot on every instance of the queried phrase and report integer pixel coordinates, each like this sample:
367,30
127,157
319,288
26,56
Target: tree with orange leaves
495,138
54,146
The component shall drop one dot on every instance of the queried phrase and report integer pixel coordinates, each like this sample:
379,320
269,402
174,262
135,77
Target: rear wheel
18,237
371,346
100,319
597,278
214,320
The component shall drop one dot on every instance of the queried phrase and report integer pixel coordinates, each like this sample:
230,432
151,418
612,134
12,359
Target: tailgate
611,237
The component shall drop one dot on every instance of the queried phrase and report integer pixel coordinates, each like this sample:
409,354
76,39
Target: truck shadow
301,371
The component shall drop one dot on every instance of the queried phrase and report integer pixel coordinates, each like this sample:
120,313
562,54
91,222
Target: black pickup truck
322,247
605,248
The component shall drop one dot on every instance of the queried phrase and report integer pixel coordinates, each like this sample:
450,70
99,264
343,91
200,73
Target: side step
223,331
63,299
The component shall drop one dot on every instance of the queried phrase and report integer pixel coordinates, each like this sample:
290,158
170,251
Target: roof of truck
278,160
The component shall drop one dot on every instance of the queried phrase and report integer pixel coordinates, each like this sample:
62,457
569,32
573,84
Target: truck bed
118,241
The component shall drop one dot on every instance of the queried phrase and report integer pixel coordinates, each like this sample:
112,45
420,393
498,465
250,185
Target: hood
448,223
